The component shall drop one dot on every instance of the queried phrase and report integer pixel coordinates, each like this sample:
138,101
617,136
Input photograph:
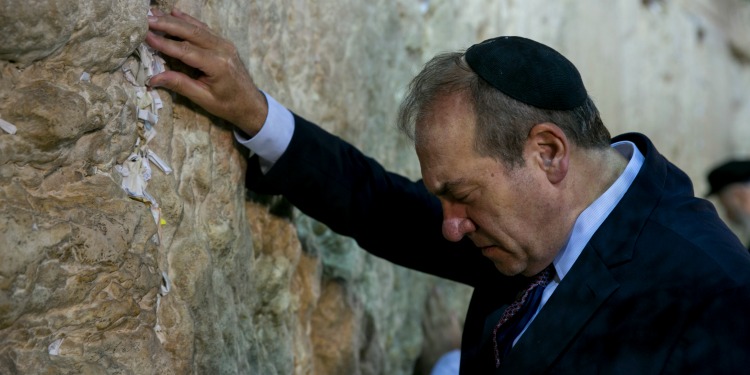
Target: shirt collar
594,215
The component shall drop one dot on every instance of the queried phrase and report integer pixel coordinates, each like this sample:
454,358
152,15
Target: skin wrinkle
519,217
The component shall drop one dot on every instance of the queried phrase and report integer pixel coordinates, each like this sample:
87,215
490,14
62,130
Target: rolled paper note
8,127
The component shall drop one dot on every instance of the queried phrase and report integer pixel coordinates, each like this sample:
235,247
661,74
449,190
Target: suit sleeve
387,214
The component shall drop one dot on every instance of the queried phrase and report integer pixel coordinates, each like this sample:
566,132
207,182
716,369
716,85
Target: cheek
531,217
511,204
502,218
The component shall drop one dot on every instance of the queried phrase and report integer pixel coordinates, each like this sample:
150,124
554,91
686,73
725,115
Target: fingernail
152,18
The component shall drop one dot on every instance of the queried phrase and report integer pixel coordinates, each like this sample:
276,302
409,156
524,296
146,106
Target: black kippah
528,71
728,173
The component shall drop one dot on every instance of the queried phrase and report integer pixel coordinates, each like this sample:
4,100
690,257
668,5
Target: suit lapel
574,301
590,281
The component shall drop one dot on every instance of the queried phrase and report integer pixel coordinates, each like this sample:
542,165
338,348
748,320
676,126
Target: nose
456,226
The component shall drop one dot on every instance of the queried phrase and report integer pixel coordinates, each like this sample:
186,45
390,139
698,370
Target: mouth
487,251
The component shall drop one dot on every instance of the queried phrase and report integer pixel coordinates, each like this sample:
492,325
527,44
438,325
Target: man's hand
224,87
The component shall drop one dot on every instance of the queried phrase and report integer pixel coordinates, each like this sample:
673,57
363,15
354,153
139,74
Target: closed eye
460,196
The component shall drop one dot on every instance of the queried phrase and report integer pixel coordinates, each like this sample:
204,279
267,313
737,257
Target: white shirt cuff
273,138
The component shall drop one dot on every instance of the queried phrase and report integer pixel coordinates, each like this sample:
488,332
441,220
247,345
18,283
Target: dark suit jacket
662,287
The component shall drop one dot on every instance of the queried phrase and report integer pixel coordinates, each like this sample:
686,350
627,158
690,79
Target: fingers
183,27
179,14
172,80
221,85
197,45
184,51
180,83
188,18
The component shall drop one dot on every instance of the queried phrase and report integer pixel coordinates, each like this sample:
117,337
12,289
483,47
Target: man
730,182
587,255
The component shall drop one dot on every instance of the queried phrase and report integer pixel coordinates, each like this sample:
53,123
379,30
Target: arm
325,177
389,215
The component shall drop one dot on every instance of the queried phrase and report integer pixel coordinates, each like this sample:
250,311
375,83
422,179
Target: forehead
445,145
448,117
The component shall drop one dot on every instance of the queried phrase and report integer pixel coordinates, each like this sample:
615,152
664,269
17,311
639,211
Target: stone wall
198,276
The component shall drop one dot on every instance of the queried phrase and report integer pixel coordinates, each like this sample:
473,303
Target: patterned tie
518,314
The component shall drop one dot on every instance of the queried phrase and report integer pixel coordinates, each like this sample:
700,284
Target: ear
549,149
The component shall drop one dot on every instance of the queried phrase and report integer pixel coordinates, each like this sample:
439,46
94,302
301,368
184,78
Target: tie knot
543,278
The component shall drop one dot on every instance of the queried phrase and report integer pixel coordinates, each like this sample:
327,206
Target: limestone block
93,35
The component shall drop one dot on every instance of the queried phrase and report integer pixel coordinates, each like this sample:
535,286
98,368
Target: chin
507,271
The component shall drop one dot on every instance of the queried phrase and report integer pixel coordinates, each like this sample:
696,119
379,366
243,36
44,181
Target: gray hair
503,123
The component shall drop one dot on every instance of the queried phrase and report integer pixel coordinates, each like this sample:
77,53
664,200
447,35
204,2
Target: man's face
728,200
509,214
735,199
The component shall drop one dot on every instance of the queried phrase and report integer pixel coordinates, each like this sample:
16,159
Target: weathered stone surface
91,283
93,35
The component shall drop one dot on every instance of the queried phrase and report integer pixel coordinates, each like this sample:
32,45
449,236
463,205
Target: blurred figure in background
730,182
